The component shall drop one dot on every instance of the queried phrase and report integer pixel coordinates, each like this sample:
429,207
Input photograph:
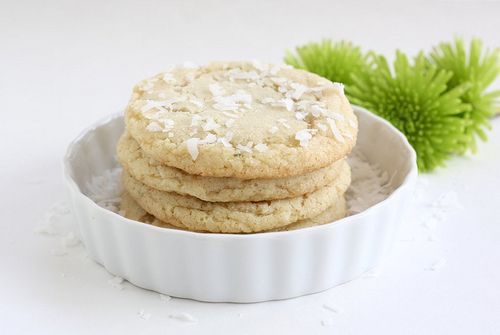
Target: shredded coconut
143,315
192,147
261,147
154,127
185,317
336,132
332,309
273,130
437,265
210,124
303,136
165,298
370,184
116,282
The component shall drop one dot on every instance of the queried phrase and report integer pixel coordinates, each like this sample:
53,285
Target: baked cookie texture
219,189
234,217
131,208
242,120
236,147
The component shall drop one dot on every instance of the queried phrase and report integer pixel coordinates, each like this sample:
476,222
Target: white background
64,64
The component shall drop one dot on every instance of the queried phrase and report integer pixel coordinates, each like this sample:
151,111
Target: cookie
130,209
233,217
218,189
335,212
242,120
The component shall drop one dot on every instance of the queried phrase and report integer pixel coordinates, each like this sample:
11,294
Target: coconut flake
116,282
198,103
216,89
210,124
192,147
229,123
195,120
244,148
299,90
209,139
336,132
185,317
300,116
438,265
168,77
244,75
143,315
303,136
261,147
189,65
339,87
321,126
165,298
273,130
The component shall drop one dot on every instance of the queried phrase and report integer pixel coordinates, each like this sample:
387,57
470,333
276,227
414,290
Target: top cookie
242,120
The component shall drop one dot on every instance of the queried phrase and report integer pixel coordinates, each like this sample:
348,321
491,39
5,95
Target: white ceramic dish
239,268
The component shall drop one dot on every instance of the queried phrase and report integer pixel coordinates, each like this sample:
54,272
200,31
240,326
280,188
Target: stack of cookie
236,147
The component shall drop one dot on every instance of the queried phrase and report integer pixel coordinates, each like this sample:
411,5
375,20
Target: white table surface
64,64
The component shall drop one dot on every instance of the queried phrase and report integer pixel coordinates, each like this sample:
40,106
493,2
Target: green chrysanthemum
477,69
336,61
414,98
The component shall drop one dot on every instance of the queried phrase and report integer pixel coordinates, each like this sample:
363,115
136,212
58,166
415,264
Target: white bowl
239,268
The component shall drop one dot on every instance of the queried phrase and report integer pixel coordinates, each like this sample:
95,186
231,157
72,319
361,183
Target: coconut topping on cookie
266,108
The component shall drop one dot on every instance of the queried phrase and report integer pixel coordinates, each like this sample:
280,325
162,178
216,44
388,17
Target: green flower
415,98
336,61
478,69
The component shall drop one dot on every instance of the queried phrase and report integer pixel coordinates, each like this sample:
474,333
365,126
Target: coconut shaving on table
369,186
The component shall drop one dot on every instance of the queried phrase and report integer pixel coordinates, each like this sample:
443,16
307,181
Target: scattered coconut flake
352,123
339,87
438,265
198,103
143,315
370,184
326,323
245,75
258,65
192,147
332,309
209,139
303,136
105,190
195,120
229,123
336,132
287,103
216,89
321,126
116,282
210,124
273,130
189,65
300,116
232,102
70,240
261,147
244,148
267,101
185,317
154,127
168,77
165,298
279,80
299,90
